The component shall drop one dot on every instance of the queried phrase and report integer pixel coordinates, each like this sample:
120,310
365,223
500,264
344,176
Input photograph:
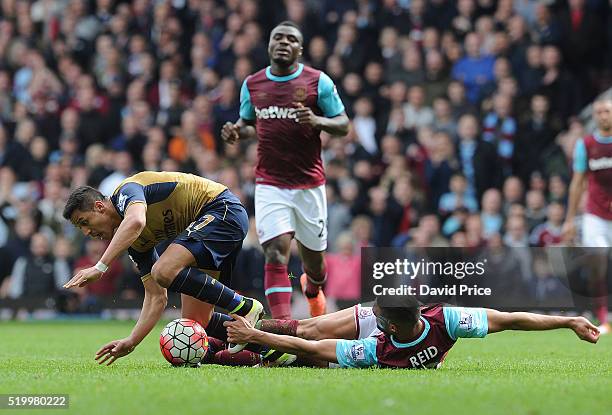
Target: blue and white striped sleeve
580,157
328,99
247,112
357,353
466,322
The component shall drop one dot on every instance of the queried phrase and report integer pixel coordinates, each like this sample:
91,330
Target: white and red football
183,342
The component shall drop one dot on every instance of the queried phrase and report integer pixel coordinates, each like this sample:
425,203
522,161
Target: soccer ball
183,342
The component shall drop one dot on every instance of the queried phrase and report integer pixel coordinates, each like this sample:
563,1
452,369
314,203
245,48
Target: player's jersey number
194,227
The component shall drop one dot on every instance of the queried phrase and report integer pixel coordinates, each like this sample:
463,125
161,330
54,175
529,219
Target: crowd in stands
463,119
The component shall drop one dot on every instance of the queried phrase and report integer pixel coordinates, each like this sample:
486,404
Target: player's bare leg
197,310
174,270
276,280
598,285
338,325
313,279
194,309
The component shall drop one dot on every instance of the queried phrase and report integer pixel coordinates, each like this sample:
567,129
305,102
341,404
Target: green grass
507,373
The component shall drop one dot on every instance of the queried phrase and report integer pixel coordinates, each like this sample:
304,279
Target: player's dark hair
290,24
83,199
402,309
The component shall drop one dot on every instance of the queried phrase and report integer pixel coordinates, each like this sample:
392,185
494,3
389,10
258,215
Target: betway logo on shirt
600,163
275,112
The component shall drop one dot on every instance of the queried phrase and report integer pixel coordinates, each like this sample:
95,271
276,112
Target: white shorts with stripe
366,322
302,212
596,231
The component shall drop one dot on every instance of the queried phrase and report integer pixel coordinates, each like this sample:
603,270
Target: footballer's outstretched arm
242,331
129,230
154,304
500,321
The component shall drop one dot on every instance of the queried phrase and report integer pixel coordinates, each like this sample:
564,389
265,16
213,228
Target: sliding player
205,224
593,171
286,106
400,334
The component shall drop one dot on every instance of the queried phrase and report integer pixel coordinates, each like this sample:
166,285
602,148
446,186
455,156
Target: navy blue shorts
214,238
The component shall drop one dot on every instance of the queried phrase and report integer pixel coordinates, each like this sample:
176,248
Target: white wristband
102,267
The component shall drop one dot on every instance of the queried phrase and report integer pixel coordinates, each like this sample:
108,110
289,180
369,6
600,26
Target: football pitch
507,373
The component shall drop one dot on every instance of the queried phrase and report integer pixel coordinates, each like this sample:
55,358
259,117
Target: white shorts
366,322
302,212
596,231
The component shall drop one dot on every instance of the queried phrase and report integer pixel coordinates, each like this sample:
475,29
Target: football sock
600,303
601,309
286,327
216,329
278,290
242,358
215,326
314,282
197,284
215,345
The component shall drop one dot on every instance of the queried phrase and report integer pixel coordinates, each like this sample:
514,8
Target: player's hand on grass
304,115
239,331
585,330
114,350
230,133
84,277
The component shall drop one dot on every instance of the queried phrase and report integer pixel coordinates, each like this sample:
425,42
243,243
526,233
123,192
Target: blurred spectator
439,167
343,272
106,286
491,216
557,188
443,117
513,193
534,137
549,232
38,273
436,76
516,235
458,196
454,224
536,208
547,30
385,216
474,233
131,139
122,168
478,159
416,114
475,70
499,128
361,230
365,125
